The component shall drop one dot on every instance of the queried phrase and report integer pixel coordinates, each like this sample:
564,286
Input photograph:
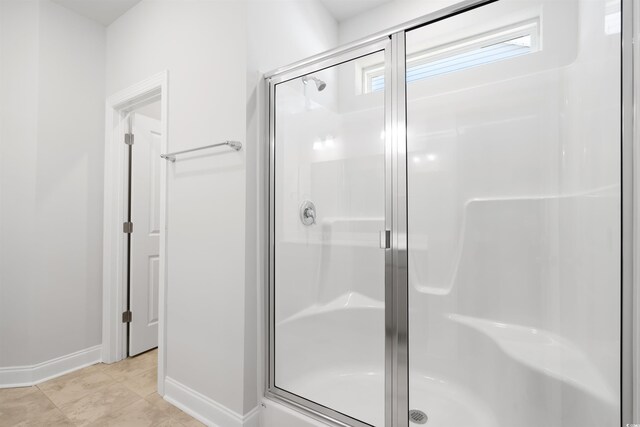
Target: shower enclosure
446,215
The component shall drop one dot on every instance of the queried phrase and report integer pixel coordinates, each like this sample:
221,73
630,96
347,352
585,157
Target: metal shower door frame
312,408
630,231
392,42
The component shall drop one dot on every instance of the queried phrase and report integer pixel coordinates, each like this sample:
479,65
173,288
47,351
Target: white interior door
145,239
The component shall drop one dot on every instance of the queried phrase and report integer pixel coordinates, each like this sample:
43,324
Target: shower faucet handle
308,212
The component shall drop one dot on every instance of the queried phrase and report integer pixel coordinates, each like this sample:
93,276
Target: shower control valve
308,212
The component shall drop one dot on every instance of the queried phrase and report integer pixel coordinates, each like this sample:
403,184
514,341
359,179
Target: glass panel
329,268
514,223
497,45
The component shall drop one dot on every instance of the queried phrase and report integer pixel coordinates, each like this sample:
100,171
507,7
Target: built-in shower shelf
340,231
348,301
372,241
545,352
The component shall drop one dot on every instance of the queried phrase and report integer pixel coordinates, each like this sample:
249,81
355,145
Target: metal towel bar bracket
236,145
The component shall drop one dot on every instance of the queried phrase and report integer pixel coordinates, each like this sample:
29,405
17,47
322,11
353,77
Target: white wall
386,16
202,45
19,66
53,91
209,49
278,33
51,145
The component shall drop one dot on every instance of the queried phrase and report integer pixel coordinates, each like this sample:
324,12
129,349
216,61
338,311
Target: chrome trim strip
264,293
455,9
400,301
634,10
628,177
270,295
389,345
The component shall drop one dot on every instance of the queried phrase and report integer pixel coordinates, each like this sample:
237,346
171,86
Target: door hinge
126,317
127,227
128,138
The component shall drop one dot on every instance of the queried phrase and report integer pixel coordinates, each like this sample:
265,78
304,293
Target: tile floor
120,394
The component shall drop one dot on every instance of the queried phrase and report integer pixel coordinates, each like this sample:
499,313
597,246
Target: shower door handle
385,239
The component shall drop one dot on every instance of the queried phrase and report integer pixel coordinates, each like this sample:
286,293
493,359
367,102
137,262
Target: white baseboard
207,410
24,376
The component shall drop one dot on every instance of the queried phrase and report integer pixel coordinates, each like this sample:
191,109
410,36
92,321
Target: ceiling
102,11
345,9
107,11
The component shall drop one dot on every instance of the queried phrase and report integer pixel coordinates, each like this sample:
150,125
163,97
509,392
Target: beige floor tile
143,384
131,367
171,423
71,387
10,395
106,400
23,406
150,357
50,418
138,414
157,400
187,420
121,394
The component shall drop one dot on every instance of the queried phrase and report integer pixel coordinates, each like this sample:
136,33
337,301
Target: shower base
361,395
475,372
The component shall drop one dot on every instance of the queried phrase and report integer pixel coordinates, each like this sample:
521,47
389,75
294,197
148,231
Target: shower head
320,84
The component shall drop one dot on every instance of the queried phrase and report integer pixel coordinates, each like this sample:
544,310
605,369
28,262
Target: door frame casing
115,254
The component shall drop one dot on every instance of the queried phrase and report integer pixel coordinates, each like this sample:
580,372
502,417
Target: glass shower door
513,139
328,267
502,216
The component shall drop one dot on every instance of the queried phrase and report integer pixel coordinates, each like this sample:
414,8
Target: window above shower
497,45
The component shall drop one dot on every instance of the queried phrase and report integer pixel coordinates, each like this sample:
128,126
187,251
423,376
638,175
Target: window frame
530,27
